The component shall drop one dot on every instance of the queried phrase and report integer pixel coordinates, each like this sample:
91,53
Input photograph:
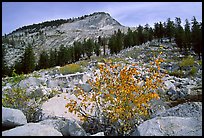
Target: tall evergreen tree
197,37
53,58
156,31
170,29
77,50
62,57
97,49
89,45
140,35
3,62
151,33
119,42
161,31
179,36
187,38
128,39
28,60
43,62
146,33
112,44
135,38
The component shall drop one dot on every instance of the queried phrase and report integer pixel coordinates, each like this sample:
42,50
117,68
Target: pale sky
18,14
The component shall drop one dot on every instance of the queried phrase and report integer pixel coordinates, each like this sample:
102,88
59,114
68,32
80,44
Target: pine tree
156,31
128,39
146,32
89,45
43,62
28,60
161,31
197,37
3,62
18,66
151,33
62,57
97,49
187,38
53,58
170,29
77,50
135,38
179,36
102,41
140,34
119,42
112,44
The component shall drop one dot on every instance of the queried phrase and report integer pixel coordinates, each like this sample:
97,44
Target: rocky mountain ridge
50,37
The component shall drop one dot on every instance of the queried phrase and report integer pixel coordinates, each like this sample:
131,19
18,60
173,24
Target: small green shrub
36,75
116,60
177,73
18,99
16,78
133,53
193,71
200,62
70,68
53,93
189,61
83,63
169,60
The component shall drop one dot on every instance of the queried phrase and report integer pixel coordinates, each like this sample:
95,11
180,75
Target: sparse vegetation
116,60
16,78
118,102
29,104
83,63
133,53
177,73
17,98
70,68
189,61
193,71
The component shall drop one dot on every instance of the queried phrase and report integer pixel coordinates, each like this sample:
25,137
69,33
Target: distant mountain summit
53,34
99,19
95,21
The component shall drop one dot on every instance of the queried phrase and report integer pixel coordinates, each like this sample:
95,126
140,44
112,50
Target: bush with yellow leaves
116,100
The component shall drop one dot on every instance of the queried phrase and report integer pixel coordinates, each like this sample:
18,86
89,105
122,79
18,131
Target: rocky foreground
177,113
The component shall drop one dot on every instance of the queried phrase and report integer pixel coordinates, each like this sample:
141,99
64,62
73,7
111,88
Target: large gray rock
32,129
31,81
86,87
52,83
190,109
98,134
59,124
55,107
157,107
169,85
75,129
171,126
12,117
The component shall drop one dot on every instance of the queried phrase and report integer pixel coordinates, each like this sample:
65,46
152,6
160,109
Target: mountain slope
45,36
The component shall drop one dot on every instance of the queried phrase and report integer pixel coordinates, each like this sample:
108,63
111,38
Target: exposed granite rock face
189,109
101,24
171,126
12,117
32,129
182,120
58,123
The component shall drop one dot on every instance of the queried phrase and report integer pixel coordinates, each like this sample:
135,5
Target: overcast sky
18,14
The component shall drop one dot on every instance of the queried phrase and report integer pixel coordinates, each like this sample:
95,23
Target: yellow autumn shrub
118,96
